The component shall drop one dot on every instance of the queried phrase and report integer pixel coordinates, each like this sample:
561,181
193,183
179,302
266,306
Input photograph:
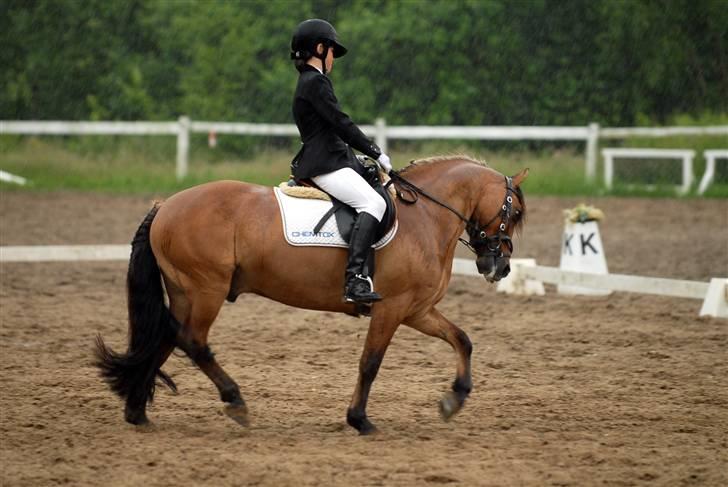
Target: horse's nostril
507,270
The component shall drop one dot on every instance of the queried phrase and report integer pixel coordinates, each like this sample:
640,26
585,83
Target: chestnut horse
215,241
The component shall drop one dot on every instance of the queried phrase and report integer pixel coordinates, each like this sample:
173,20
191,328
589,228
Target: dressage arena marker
582,251
713,294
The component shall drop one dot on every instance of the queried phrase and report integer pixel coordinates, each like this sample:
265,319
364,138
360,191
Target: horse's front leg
435,324
381,330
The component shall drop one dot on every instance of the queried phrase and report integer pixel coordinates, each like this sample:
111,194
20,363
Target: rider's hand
384,163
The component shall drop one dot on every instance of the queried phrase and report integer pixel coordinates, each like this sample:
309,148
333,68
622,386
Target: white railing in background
709,174
380,131
686,156
714,294
616,282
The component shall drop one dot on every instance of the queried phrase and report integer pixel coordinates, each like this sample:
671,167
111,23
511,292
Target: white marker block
582,251
716,299
514,283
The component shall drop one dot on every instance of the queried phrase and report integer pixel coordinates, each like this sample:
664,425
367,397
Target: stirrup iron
360,296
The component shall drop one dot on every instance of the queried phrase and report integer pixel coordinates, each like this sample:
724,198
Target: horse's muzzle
494,268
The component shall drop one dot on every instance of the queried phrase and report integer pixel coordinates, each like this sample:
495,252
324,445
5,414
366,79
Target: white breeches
348,187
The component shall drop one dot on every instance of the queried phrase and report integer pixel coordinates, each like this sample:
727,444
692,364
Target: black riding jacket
328,134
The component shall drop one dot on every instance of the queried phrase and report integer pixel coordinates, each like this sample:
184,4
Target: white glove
384,163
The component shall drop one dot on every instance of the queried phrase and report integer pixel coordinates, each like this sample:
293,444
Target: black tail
152,331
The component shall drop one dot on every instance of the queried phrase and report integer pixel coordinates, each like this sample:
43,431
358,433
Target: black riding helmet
311,32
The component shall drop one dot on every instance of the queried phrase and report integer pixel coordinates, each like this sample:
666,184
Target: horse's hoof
360,422
450,404
147,427
368,429
238,412
137,417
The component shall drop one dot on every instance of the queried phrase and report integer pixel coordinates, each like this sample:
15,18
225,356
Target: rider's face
330,60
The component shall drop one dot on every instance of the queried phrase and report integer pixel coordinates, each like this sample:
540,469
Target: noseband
481,244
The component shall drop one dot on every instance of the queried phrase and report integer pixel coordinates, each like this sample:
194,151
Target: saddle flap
301,215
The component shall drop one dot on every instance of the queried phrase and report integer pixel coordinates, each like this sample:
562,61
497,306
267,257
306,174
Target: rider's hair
299,64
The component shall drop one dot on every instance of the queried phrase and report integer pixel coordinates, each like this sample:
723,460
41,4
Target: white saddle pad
300,216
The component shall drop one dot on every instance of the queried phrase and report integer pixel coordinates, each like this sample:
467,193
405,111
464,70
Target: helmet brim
339,50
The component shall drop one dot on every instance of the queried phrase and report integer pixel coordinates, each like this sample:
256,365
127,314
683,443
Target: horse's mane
436,159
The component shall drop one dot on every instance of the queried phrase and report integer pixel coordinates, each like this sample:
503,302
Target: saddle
345,215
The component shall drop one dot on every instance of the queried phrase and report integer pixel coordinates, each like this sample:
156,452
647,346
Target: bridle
481,244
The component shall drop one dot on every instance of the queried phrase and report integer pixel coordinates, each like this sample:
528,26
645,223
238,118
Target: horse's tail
152,329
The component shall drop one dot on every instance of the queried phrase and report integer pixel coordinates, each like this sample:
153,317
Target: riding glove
384,163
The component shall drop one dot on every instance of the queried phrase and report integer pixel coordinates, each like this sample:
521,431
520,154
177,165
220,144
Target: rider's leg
359,287
347,186
350,188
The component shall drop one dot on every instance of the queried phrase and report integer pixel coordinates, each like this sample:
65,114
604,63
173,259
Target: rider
328,134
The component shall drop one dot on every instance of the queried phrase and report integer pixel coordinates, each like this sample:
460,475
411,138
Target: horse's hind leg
196,312
435,324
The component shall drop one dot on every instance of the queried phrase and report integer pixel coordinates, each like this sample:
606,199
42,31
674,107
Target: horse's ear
520,177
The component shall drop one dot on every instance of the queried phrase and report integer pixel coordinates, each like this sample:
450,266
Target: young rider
328,134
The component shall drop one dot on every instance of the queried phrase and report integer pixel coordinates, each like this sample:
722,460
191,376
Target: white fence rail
63,253
528,278
615,282
686,156
90,128
380,131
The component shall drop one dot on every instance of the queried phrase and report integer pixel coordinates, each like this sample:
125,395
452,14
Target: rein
478,237
397,179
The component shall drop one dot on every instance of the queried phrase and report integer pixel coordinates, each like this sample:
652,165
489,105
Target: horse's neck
451,185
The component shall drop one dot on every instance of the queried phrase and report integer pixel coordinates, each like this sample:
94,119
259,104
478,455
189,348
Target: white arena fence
382,132
686,156
525,278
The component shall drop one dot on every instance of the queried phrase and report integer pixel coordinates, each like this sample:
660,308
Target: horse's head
502,207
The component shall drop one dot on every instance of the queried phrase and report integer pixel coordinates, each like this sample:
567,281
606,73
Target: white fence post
709,174
608,168
381,133
592,143
183,147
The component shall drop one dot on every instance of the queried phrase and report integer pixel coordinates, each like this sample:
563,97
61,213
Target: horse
212,242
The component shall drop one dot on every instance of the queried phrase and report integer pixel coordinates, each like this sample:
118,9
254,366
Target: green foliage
494,62
465,62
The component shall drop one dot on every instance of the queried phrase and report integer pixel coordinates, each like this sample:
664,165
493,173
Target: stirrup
356,293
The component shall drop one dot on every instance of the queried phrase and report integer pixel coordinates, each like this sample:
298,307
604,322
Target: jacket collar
308,67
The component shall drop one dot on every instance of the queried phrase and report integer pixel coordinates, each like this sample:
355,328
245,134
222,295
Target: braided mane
436,159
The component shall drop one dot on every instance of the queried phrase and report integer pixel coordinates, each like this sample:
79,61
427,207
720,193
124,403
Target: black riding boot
359,287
